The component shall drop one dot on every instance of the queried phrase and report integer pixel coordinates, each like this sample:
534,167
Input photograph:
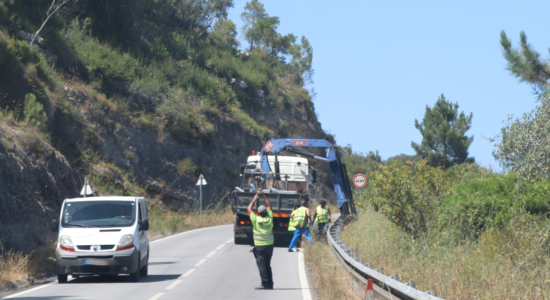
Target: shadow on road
122,278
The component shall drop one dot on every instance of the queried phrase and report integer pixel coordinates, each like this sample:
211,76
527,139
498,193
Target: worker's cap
323,200
262,209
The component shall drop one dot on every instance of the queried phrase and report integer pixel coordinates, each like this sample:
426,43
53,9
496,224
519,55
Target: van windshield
99,214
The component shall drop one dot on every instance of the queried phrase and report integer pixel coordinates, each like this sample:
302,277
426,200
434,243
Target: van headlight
66,243
126,242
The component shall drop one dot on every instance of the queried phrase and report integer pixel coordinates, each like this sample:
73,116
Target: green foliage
444,142
408,194
248,124
526,63
187,167
261,30
302,59
478,204
359,162
33,113
225,32
524,144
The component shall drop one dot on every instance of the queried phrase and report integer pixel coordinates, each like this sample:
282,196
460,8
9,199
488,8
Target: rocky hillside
143,115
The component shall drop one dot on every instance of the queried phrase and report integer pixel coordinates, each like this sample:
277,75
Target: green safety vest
263,229
300,218
322,214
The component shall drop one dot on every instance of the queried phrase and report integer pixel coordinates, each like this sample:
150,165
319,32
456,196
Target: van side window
139,212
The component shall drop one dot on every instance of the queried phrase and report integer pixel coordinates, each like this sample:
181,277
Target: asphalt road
198,264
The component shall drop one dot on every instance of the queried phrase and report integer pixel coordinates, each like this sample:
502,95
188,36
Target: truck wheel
62,278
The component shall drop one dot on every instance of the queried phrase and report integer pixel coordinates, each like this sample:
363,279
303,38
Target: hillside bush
408,194
478,204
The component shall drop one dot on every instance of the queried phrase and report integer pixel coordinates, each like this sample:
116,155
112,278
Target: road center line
229,241
173,285
220,246
200,263
211,253
306,295
31,290
155,297
188,273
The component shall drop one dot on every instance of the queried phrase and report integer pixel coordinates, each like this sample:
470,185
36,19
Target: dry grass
13,266
511,263
330,283
165,221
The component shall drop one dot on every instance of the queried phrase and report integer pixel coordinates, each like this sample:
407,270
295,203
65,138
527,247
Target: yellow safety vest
263,229
291,226
322,214
300,217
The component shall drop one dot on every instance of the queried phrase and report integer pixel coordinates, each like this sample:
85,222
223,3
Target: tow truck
286,182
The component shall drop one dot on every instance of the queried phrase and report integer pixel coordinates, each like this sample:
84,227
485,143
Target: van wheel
134,277
62,278
145,269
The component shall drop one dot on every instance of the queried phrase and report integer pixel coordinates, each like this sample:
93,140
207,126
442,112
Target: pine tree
444,142
526,64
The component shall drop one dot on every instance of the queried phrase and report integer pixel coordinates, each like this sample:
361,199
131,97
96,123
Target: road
198,264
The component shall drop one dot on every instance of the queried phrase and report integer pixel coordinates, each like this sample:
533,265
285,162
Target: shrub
408,194
481,203
187,167
33,113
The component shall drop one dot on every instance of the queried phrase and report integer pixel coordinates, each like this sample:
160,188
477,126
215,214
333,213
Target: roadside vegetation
452,226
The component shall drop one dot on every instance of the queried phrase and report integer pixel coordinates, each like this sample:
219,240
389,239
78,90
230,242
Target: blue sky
379,63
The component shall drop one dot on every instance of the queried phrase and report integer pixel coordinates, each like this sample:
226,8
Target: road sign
201,180
360,181
86,189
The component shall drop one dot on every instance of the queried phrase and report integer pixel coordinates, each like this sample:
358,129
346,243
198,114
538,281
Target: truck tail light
245,223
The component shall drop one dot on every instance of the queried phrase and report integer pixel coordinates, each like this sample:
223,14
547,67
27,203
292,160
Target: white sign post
86,189
201,182
360,181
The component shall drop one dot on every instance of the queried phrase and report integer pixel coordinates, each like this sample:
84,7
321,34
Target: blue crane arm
277,145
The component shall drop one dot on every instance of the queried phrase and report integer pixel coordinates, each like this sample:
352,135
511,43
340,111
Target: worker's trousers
321,228
299,231
263,260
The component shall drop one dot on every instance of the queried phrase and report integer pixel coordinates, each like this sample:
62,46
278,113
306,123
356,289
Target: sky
379,63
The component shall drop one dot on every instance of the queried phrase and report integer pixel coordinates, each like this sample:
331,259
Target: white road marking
306,295
200,263
231,240
31,290
188,273
220,246
155,297
173,285
211,253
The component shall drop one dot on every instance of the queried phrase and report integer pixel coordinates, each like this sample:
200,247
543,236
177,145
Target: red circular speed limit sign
359,181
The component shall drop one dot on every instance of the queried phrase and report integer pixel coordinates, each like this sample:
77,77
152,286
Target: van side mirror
143,225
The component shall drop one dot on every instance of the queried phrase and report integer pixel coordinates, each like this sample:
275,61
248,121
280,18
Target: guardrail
386,287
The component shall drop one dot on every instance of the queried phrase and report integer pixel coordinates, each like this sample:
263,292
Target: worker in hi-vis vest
322,216
291,226
262,232
300,219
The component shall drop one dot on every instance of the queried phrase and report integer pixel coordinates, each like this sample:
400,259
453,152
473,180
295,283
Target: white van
103,236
